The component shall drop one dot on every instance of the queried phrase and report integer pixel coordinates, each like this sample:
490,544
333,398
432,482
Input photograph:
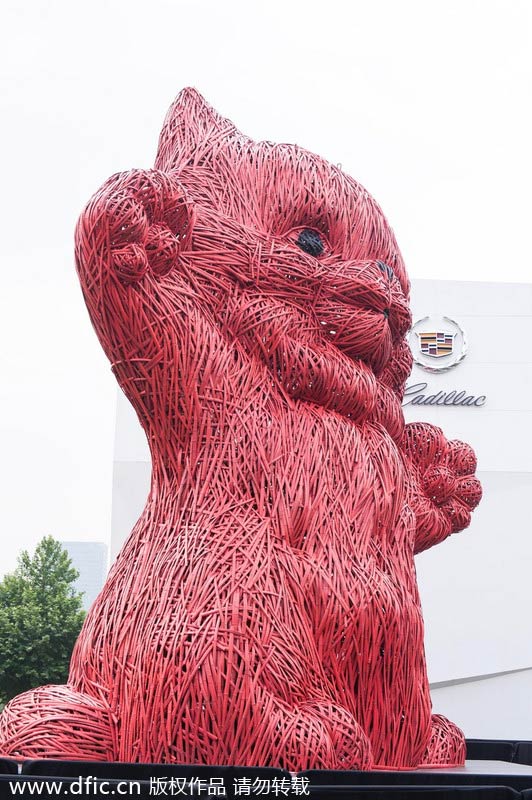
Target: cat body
253,303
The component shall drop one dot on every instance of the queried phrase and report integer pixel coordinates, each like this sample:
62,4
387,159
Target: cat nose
386,269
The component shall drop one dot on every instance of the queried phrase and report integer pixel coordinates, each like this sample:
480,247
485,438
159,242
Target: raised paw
444,488
461,462
139,221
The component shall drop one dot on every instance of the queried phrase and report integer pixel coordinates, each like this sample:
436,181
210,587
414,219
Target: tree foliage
40,617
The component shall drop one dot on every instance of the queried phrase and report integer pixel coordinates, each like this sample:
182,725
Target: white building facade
90,560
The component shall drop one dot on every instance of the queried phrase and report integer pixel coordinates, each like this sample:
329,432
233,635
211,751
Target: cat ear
191,127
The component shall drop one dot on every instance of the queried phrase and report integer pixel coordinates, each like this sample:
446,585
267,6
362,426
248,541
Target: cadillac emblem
437,343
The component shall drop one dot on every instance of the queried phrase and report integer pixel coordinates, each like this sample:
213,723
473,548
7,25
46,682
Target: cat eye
310,240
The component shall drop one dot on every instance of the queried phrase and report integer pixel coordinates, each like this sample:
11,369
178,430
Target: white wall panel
131,484
474,586
471,298
130,439
495,708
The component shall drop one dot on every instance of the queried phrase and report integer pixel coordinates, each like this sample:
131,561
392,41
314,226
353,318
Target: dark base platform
477,780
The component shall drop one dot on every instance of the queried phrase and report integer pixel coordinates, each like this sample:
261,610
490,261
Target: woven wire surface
264,610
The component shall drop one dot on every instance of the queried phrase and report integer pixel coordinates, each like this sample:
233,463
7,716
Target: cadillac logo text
416,395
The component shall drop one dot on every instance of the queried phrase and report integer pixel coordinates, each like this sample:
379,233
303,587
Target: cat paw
444,488
446,746
138,222
467,494
57,722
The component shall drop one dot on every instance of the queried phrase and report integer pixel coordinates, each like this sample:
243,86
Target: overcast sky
426,103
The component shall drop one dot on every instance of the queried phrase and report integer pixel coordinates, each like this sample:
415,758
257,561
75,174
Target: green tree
40,617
